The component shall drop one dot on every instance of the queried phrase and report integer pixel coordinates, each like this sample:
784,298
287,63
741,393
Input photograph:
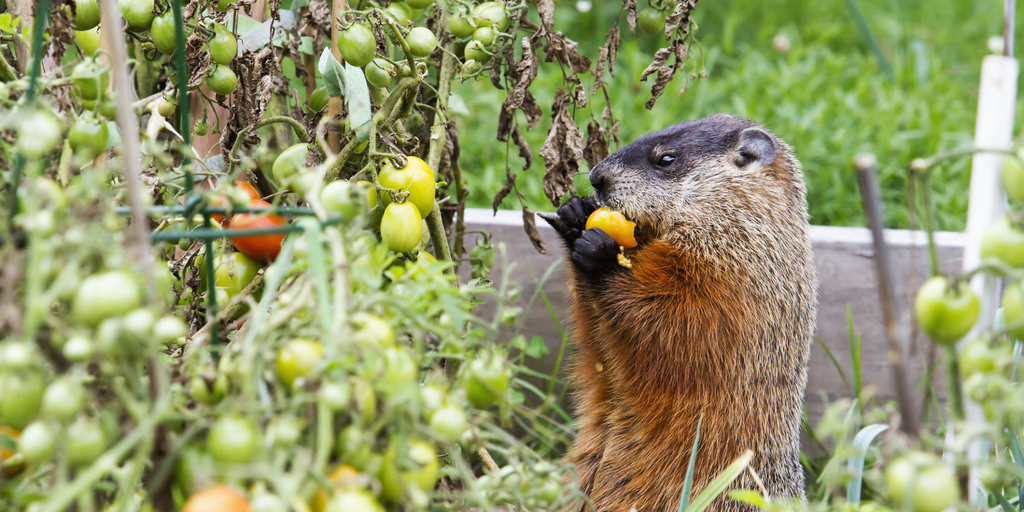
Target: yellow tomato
615,224
344,476
416,178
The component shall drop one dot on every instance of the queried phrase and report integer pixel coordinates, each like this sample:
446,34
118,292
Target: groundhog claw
571,218
595,251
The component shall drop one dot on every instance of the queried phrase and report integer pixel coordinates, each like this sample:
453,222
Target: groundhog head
718,170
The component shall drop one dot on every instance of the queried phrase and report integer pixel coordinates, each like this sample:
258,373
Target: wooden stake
335,105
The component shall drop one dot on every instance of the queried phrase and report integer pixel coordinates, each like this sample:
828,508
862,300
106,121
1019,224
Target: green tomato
91,78
201,127
651,21
20,397
232,273
232,440
1013,176
357,45
421,41
486,381
379,73
166,107
106,295
88,136
945,315
335,395
39,133
1013,309
290,163
400,13
373,330
223,45
411,464
86,442
206,392
318,100
923,482
137,326
401,228
419,4
476,52
399,369
36,443
169,329
416,178
342,198
461,24
366,400
490,14
87,14
484,34
163,33
138,14
353,500
88,40
1004,241
77,349
223,80
18,355
355,447
297,358
63,399
976,357
224,5
449,423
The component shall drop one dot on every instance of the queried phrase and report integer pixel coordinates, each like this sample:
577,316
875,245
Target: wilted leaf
566,51
510,183
606,56
660,58
562,150
530,226
546,9
532,111
630,7
523,74
597,144
524,147
680,17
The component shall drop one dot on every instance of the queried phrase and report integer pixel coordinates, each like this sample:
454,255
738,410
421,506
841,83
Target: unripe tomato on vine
651,21
223,45
357,45
87,14
163,33
222,81
138,14
946,312
401,228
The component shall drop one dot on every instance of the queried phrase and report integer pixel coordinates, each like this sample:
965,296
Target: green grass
827,96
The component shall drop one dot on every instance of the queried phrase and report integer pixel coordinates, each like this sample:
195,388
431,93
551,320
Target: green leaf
333,73
749,497
113,134
306,45
721,483
1006,506
357,94
684,500
861,443
537,348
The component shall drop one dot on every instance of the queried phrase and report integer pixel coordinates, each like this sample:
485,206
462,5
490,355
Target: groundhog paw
594,252
571,219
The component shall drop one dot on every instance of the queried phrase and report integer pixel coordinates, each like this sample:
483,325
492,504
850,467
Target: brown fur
714,319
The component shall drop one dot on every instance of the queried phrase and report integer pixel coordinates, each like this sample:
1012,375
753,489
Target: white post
987,202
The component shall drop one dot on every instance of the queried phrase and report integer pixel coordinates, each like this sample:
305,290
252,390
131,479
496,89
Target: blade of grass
684,500
721,483
1005,505
835,362
855,363
861,443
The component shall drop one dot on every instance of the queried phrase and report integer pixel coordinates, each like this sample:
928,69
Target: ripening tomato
220,498
163,33
138,14
615,225
290,163
357,45
318,100
1013,309
416,178
223,45
232,439
461,24
1013,176
419,468
20,397
88,136
353,500
491,14
476,52
101,296
166,107
449,422
924,480
421,41
297,358
379,73
401,228
85,442
88,40
259,247
373,330
248,195
223,80
1004,241
87,14
651,21
945,314
343,477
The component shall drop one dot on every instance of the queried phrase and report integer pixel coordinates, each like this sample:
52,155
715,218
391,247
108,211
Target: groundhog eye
665,160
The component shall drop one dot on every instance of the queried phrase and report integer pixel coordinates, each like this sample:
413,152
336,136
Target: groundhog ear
756,146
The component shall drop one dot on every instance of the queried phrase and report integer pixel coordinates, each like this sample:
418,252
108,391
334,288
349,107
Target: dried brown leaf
566,51
530,226
597,144
524,147
562,150
660,58
546,9
522,75
532,110
510,184
630,7
680,17
506,119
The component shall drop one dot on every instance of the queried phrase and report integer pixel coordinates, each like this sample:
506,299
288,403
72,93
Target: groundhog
711,319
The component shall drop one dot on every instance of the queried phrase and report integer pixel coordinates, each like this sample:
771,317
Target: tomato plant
138,13
401,228
259,247
945,311
222,81
416,178
162,33
232,440
223,45
357,45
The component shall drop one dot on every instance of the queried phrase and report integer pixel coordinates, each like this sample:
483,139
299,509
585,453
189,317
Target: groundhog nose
597,178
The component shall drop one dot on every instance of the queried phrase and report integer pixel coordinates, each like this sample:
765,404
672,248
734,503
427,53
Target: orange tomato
220,201
258,247
220,498
343,476
615,224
